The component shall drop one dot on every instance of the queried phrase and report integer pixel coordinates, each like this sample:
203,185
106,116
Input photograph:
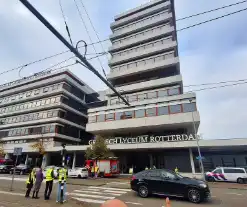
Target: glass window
163,110
35,116
167,175
162,93
21,106
173,91
40,116
26,105
42,102
38,103
114,101
26,117
49,114
140,113
52,129
18,132
20,95
36,92
53,100
58,99
218,171
132,98
109,117
55,87
92,119
28,94
151,112
175,109
34,104
30,118
189,107
44,115
154,173
119,115
12,98
152,95
17,107
142,97
47,101
101,118
128,115
45,89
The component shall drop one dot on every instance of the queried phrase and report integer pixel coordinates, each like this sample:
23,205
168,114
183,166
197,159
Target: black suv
21,169
166,182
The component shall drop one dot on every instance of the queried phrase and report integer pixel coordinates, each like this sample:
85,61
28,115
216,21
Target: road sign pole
13,176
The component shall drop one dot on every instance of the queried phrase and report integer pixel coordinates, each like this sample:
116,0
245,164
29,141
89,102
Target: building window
114,101
140,113
101,118
36,92
128,115
175,109
109,117
119,115
92,119
151,112
163,110
162,93
152,95
189,107
142,97
45,89
132,98
28,94
49,114
173,91
52,129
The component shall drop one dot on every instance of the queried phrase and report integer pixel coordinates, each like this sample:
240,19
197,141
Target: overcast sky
212,52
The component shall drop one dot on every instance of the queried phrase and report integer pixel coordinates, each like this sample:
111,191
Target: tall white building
145,69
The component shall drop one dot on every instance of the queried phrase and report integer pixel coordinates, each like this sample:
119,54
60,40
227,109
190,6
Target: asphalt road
94,194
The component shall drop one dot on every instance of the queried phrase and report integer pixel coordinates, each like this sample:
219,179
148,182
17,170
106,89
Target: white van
228,174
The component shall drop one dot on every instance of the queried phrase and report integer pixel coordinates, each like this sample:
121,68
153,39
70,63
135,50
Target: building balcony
145,65
143,24
149,84
153,117
134,17
143,51
143,36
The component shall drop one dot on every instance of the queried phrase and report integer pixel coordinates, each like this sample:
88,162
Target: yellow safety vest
176,170
92,170
131,171
32,174
62,174
96,169
48,175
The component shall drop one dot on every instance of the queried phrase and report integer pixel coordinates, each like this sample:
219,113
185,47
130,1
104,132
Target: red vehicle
107,167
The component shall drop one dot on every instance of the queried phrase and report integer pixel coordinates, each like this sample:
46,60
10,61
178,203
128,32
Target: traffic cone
168,204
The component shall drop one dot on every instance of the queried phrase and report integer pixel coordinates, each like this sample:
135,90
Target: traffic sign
17,151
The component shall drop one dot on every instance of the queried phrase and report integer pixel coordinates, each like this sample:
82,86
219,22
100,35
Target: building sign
36,75
149,139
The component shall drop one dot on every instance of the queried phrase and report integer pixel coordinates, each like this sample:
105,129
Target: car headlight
203,185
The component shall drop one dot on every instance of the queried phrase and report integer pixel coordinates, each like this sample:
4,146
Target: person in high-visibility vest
62,178
131,170
96,169
49,177
176,170
92,171
146,168
30,181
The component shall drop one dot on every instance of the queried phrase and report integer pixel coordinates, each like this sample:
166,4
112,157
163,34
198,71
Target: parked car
80,172
169,183
55,170
227,174
21,169
5,165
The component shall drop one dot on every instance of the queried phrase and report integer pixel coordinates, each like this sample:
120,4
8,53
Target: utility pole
72,49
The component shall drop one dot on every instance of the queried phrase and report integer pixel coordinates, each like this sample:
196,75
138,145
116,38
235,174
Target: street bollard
168,203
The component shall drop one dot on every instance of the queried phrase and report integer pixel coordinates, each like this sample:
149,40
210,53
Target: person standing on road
49,182
96,169
30,182
176,170
92,171
38,182
62,178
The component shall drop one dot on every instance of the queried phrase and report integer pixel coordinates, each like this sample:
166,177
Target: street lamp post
198,146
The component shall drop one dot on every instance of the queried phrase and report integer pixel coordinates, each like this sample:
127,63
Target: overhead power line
212,10
64,19
57,54
88,33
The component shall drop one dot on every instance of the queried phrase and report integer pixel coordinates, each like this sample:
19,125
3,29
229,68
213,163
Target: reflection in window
175,109
162,93
173,91
52,129
151,112
140,113
128,115
163,110
101,118
109,117
119,115
189,107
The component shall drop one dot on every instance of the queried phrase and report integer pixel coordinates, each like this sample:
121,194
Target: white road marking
114,191
118,183
120,189
90,196
101,193
234,194
135,203
11,193
89,200
21,179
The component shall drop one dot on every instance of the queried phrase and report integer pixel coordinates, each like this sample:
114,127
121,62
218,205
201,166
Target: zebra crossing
93,194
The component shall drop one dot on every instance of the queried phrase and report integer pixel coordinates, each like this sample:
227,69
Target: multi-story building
47,109
145,69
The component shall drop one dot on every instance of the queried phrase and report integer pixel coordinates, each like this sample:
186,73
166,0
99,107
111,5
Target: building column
151,161
45,160
7,156
26,161
192,161
74,161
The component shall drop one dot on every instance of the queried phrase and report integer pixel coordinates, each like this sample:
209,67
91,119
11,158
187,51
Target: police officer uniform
49,183
30,181
62,178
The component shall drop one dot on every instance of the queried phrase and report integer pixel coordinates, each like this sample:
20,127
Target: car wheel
211,179
240,181
143,191
194,195
79,176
